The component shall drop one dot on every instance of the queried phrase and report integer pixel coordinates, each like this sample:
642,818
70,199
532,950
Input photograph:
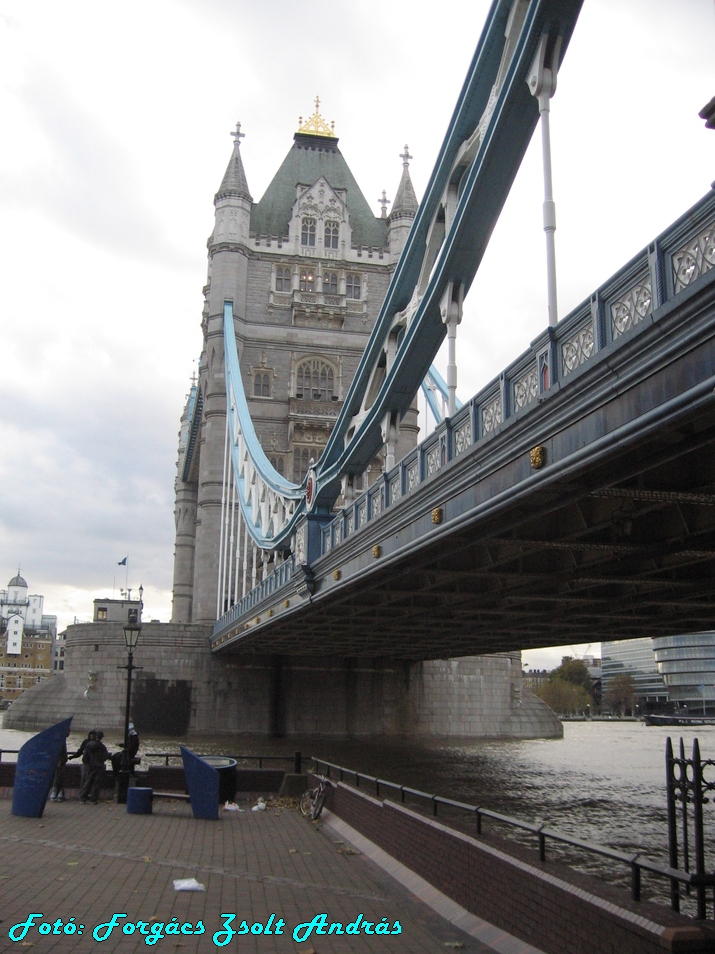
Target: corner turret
233,201
404,209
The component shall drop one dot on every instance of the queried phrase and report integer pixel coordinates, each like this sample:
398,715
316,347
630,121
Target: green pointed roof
234,180
310,157
405,200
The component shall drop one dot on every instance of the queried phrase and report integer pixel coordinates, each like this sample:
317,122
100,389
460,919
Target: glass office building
635,658
687,664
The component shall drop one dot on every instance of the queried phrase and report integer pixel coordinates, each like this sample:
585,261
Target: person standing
58,787
95,755
91,736
132,749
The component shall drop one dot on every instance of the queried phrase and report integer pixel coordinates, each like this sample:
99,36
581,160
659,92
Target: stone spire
404,209
405,200
234,180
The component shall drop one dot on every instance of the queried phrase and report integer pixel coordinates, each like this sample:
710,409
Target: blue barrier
36,764
202,782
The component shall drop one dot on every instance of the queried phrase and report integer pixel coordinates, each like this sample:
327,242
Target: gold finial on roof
316,125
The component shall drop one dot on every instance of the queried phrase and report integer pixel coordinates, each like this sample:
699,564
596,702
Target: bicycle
312,800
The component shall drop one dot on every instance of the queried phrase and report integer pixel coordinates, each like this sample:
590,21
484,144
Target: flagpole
126,578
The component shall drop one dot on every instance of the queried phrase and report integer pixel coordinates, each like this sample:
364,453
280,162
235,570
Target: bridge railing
273,582
636,862
620,308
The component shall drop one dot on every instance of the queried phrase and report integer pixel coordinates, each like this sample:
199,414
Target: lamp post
132,631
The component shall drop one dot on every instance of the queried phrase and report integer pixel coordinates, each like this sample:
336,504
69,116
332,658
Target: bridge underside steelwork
607,531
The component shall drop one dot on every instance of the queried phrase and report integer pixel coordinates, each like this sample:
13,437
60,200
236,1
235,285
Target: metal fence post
698,828
672,823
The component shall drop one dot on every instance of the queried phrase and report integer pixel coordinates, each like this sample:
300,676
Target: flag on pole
123,562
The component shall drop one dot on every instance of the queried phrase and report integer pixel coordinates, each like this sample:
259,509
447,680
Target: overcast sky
115,126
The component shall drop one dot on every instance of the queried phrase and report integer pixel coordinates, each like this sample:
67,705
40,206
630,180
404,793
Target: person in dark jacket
132,749
58,782
91,736
94,757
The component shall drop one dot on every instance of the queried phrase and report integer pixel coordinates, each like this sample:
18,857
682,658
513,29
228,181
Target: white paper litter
188,884
231,807
260,807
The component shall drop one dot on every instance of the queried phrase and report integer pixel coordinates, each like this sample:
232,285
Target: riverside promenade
88,862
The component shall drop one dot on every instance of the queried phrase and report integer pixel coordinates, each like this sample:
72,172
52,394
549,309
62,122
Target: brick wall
559,911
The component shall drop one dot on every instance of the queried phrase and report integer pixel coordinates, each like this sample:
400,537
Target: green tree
620,694
565,698
574,671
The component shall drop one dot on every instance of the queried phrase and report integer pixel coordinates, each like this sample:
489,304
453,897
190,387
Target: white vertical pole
219,586
549,209
237,575
229,544
542,83
452,365
245,559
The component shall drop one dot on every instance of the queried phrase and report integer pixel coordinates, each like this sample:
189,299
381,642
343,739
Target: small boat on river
682,720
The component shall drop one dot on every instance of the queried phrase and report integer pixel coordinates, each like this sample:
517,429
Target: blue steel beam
507,117
487,137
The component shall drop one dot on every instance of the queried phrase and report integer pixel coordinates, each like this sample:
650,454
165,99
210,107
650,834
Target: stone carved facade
307,268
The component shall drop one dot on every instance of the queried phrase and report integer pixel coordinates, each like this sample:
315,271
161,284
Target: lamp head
132,632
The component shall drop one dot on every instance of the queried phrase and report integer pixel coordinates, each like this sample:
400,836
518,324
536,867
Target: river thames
604,782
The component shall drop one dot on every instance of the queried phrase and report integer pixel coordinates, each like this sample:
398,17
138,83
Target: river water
603,782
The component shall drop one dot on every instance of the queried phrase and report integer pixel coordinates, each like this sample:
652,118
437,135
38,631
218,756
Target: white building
26,636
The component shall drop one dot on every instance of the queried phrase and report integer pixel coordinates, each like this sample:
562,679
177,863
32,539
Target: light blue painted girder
495,100
487,137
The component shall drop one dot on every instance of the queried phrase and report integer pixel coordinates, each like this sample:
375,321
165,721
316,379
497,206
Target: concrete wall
183,689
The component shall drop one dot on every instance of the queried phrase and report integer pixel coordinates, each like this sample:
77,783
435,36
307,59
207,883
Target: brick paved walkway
87,862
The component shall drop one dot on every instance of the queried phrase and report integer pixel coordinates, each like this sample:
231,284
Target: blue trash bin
139,801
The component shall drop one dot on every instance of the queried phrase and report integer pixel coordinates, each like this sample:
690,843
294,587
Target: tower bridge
543,512
570,498
326,562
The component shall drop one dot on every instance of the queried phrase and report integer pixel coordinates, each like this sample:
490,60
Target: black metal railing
636,862
687,788
296,758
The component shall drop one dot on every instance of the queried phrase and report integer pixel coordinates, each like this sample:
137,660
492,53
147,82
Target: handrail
637,862
296,758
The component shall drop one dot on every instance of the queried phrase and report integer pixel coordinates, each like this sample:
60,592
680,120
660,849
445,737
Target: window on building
283,280
102,612
277,462
301,461
307,232
332,231
262,385
315,380
307,281
62,664
353,286
330,283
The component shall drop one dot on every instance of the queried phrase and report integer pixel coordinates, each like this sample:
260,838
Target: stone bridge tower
306,268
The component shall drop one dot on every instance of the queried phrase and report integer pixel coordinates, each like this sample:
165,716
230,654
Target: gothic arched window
262,385
301,461
352,286
332,231
330,283
283,280
315,380
307,232
277,462
307,281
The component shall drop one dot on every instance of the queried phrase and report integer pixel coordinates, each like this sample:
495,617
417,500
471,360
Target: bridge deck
587,513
